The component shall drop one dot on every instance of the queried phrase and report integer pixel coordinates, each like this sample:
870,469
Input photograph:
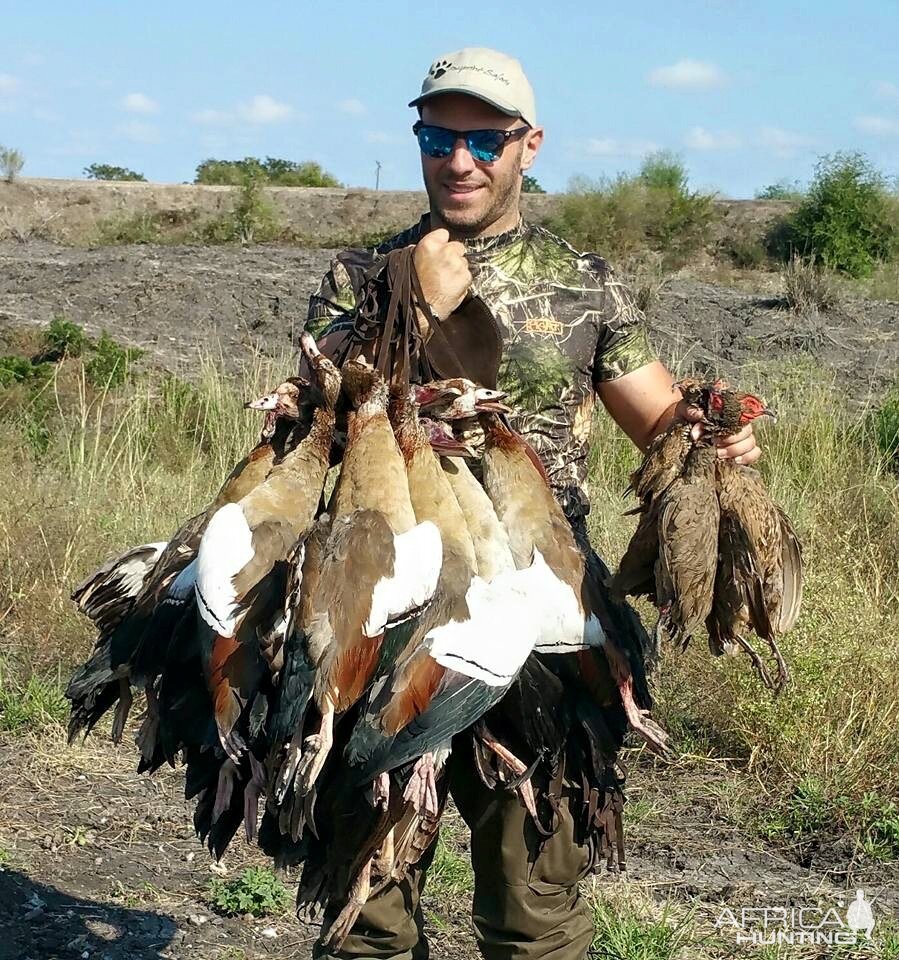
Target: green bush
108,171
782,190
110,363
885,427
64,338
22,370
272,171
257,891
847,222
253,219
630,215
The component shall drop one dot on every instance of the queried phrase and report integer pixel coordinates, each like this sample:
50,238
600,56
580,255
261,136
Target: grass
812,755
97,468
32,704
450,872
631,928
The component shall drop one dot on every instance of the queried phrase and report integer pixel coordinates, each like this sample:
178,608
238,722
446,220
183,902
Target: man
571,333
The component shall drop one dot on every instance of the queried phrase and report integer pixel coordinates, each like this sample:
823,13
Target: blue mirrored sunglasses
485,146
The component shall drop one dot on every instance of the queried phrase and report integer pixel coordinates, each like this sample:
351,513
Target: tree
108,171
272,171
11,163
664,170
529,185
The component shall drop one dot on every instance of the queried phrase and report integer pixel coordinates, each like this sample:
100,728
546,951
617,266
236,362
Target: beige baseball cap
487,74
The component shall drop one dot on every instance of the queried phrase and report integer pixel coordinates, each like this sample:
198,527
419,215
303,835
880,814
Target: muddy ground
101,863
230,301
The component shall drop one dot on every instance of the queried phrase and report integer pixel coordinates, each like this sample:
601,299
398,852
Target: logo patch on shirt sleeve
545,325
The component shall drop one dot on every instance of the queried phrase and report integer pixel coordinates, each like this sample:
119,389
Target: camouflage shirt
568,324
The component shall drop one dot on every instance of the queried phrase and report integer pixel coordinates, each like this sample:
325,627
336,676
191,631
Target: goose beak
491,406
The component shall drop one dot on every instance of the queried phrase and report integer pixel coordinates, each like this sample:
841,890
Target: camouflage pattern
568,324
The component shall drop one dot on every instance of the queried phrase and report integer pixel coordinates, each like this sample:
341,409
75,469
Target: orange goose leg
316,748
421,790
525,790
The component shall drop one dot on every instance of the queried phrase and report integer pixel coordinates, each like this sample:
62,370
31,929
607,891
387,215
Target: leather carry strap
468,343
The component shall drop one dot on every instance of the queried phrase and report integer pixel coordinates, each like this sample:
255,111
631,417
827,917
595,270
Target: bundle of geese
315,661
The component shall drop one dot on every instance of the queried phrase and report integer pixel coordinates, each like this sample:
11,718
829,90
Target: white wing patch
416,569
492,645
226,548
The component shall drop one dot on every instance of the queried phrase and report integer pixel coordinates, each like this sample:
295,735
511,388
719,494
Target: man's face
468,196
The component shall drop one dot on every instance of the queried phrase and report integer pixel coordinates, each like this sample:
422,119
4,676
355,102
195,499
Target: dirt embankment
70,211
231,300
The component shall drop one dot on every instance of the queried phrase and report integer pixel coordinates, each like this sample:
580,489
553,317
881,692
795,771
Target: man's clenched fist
443,271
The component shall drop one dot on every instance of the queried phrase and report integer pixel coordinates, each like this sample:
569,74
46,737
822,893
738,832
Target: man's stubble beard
503,197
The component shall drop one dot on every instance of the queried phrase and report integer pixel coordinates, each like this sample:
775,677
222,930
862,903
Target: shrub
257,891
253,219
108,171
885,427
110,363
782,190
64,339
625,217
808,287
529,184
11,163
272,171
846,222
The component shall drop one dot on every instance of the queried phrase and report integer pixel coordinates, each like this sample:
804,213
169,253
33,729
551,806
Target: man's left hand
740,447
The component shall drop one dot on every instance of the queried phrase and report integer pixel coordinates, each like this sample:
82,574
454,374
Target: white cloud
783,143
877,126
139,132
212,118
698,138
264,109
687,75
8,84
139,103
887,90
351,106
610,147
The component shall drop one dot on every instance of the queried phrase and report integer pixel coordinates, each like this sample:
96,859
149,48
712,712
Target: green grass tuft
622,935
33,705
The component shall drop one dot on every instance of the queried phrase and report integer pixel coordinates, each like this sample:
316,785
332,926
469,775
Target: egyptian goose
241,545
141,593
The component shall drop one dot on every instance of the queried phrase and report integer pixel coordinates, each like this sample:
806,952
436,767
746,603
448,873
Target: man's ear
531,146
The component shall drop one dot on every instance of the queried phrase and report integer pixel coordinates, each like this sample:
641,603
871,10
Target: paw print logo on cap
439,68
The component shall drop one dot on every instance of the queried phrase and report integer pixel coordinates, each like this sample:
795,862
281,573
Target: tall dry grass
830,740
124,467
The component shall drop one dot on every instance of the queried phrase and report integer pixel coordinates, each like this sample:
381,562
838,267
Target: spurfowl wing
136,599
240,548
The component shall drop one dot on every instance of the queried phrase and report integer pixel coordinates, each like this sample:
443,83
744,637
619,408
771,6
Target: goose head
457,399
285,402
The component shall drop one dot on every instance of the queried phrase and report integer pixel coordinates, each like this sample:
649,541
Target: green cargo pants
526,903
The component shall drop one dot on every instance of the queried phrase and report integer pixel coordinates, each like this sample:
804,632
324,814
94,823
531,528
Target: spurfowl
711,548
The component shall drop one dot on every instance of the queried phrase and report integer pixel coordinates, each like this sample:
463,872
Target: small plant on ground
257,891
64,339
11,163
110,362
808,287
108,171
782,190
32,704
22,370
847,221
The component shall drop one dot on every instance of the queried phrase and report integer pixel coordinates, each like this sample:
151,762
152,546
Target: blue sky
747,92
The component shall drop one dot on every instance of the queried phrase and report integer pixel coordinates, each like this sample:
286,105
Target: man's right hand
443,271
